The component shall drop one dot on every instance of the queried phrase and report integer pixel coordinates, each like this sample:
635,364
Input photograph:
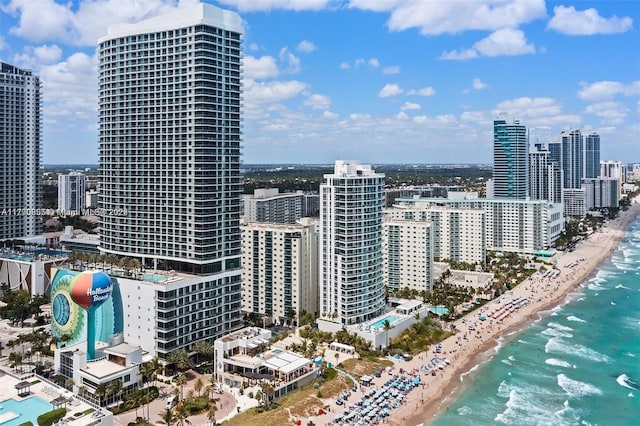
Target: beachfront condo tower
351,281
170,91
591,156
572,158
510,160
21,141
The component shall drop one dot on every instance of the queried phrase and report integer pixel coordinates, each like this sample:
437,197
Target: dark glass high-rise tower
591,156
510,160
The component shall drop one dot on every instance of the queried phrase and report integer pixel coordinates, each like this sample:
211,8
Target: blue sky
382,81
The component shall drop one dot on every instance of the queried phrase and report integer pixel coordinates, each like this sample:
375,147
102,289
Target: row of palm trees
181,415
85,260
39,344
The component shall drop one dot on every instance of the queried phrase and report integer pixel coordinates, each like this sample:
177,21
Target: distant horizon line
296,164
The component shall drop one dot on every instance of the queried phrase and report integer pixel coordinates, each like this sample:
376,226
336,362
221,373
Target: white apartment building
575,202
351,282
165,311
269,205
521,226
280,269
457,234
407,253
71,193
601,192
170,91
21,142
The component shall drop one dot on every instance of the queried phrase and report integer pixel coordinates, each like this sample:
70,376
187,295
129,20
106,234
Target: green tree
182,415
167,417
180,358
204,349
180,381
386,325
211,414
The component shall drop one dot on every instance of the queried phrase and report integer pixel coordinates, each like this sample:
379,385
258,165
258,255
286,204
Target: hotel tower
170,91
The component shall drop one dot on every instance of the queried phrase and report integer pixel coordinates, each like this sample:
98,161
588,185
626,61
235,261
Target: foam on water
525,406
553,332
559,326
558,363
621,286
465,411
558,346
575,318
624,380
576,388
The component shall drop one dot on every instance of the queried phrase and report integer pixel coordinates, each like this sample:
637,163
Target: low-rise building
245,357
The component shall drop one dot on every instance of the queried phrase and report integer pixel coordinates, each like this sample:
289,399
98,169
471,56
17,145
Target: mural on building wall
69,322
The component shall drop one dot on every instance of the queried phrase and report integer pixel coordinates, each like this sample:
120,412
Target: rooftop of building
246,333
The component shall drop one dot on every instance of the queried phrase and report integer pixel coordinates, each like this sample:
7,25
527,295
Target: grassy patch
364,367
300,403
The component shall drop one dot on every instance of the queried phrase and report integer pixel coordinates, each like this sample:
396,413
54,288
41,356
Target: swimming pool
27,410
154,278
440,310
380,322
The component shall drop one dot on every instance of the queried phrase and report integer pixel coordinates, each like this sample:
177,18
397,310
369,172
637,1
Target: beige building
407,254
280,269
458,234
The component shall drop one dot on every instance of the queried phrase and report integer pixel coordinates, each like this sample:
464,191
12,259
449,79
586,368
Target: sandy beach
467,348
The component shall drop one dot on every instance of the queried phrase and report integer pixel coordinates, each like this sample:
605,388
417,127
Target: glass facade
510,160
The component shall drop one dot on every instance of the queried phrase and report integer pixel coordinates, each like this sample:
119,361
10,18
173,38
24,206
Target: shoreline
424,406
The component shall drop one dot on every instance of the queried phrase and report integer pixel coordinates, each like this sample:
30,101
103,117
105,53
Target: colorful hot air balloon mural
89,290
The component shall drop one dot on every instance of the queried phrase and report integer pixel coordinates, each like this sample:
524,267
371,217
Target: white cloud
568,20
329,115
439,17
317,101
410,106
253,46
44,20
292,61
504,42
306,46
374,62
391,70
275,91
478,84
390,90
256,5
601,90
537,112
609,111
344,65
425,91
262,67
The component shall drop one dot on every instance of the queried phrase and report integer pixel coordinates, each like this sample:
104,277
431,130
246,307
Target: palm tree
337,355
198,385
136,400
213,382
211,414
15,360
180,358
387,326
101,391
182,415
205,349
268,390
181,380
167,417
115,388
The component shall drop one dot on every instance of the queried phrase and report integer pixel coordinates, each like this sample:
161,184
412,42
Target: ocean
578,365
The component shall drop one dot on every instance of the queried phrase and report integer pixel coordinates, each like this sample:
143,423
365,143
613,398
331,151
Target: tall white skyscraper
170,133
351,281
545,176
71,193
510,160
21,155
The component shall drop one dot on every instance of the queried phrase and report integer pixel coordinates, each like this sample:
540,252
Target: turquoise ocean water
580,365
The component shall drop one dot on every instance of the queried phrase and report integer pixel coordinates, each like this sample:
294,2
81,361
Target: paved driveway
226,404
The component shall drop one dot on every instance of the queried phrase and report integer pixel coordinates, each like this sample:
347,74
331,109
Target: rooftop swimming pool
26,410
154,278
380,322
